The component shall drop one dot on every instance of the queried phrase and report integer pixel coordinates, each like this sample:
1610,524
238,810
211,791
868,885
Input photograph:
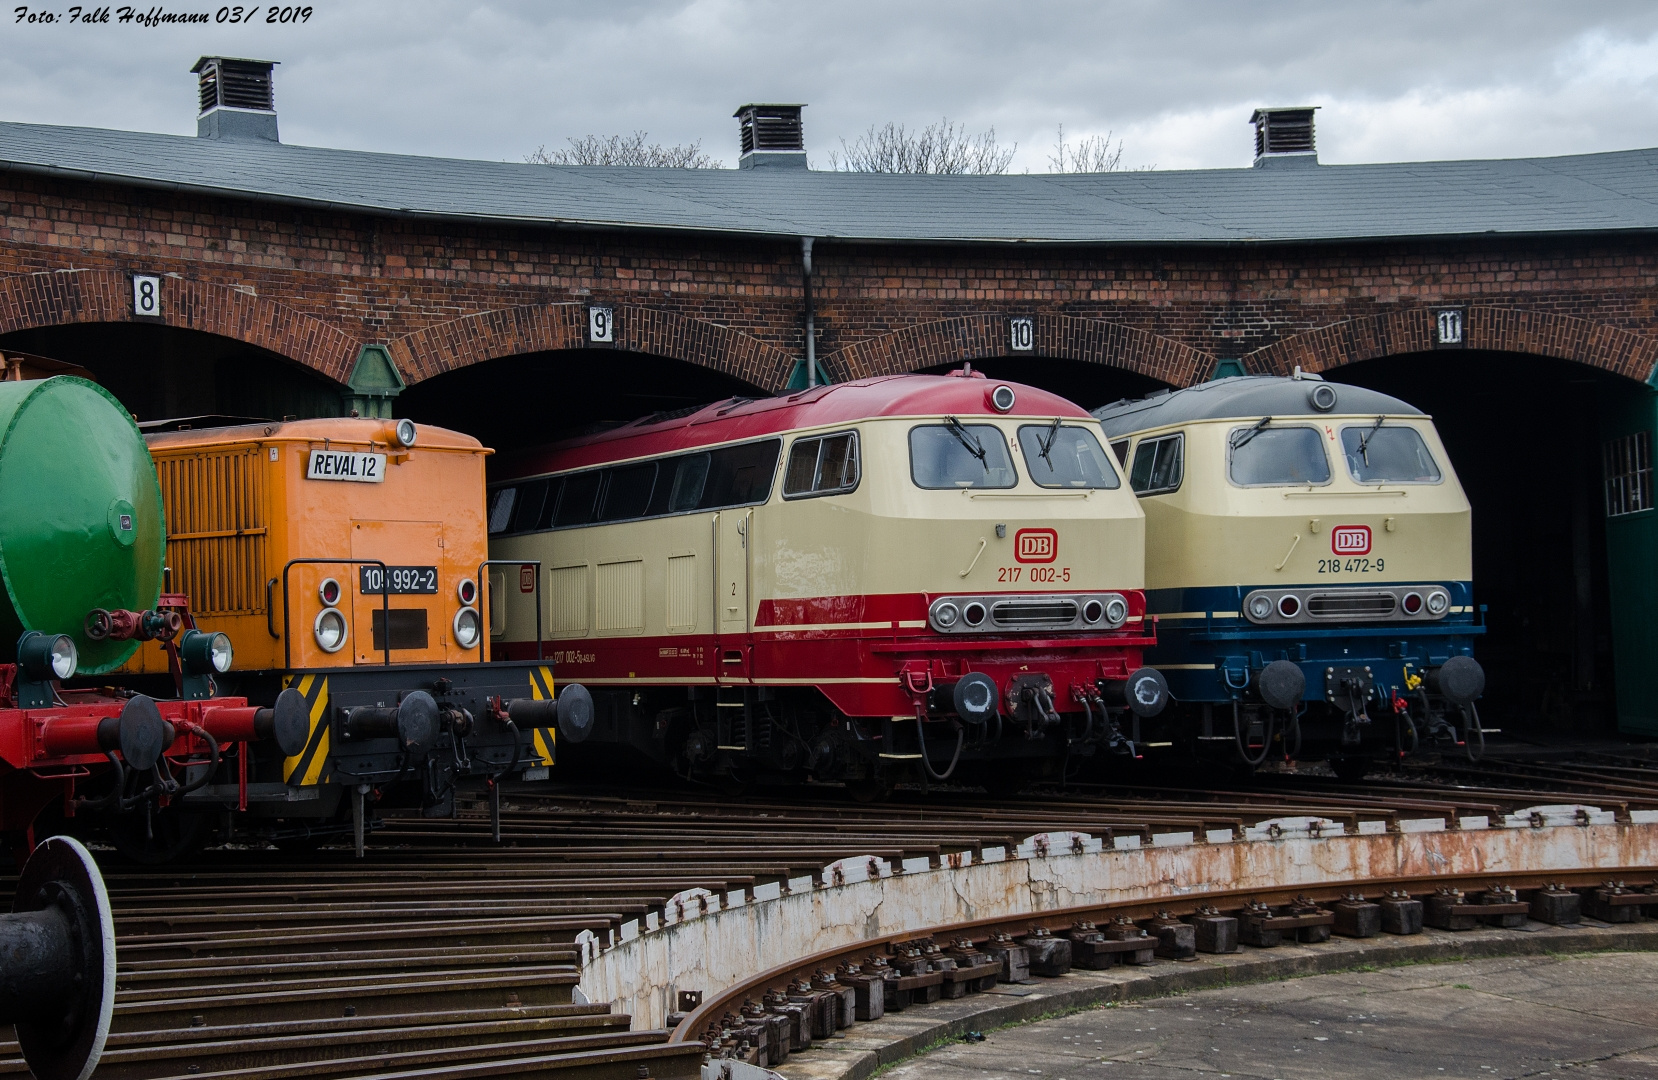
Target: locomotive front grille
1352,605
1027,613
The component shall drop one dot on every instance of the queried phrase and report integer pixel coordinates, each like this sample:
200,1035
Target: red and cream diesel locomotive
864,582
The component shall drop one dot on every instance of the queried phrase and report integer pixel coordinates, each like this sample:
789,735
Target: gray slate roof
1245,397
1286,200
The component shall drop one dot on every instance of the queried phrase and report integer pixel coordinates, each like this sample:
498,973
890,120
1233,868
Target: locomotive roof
1282,200
341,429
736,419
1244,397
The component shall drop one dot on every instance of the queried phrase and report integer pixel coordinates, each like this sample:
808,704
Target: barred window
1628,463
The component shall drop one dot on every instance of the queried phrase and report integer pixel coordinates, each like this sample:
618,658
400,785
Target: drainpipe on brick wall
811,331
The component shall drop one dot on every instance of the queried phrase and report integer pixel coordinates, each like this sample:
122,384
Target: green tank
81,521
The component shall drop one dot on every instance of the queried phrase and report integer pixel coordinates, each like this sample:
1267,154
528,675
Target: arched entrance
165,372
511,402
1526,435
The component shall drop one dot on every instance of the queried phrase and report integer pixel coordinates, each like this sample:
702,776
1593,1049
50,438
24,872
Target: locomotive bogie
1326,539
886,544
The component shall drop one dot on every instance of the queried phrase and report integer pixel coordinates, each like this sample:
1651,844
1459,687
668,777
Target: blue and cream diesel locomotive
1308,558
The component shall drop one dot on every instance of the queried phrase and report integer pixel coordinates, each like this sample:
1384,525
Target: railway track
444,954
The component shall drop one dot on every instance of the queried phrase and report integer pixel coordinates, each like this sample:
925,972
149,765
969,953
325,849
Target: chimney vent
237,100
771,135
1284,134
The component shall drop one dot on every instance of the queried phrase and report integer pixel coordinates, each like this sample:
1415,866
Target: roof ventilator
1284,135
771,135
237,100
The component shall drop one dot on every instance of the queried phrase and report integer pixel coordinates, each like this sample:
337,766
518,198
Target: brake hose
1237,735
926,763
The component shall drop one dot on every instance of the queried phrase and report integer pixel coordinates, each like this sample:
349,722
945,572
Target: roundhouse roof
737,419
1279,201
1244,397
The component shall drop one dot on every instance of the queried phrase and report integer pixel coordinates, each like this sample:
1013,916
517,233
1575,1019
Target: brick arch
1498,329
527,328
1063,337
31,301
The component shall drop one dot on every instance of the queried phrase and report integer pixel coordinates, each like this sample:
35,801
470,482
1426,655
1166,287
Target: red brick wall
315,286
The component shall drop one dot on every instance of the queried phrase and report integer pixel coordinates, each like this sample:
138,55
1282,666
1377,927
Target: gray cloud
1395,80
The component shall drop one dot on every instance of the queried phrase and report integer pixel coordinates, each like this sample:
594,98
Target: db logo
1036,545
526,579
1350,540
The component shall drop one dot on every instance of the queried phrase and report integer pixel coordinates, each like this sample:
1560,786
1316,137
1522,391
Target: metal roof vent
237,101
771,135
1284,135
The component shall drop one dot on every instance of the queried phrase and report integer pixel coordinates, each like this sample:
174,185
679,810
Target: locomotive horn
1459,679
57,962
1281,684
1144,692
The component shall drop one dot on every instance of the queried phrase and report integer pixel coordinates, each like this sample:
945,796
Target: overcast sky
1394,80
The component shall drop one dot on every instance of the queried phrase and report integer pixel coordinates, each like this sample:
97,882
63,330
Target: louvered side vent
245,85
209,88
1283,131
217,534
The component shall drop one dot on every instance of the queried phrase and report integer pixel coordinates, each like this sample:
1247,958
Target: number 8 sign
146,295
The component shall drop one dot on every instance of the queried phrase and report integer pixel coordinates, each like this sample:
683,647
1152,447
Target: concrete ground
1593,1015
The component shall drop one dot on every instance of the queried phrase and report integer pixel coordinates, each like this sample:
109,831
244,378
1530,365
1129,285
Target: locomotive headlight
1260,608
1092,611
467,627
405,432
204,653
1438,602
1002,398
329,592
329,630
945,615
1116,610
467,591
973,614
47,656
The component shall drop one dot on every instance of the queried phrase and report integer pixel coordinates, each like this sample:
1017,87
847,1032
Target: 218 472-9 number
1036,575
1351,566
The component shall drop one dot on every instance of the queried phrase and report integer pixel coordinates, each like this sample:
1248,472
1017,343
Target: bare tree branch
625,150
1095,154
940,148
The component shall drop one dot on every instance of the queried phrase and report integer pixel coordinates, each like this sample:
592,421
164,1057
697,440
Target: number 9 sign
601,325
146,295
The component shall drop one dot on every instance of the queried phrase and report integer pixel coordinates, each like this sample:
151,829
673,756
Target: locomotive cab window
957,455
1265,456
1379,453
501,502
827,465
1159,465
1065,456
627,492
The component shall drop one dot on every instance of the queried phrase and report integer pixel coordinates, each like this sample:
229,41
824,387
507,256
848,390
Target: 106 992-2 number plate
371,580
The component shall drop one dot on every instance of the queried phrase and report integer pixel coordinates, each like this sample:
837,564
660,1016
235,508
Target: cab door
415,626
731,586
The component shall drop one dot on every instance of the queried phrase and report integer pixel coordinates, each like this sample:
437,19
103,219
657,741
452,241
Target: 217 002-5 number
1036,575
1351,566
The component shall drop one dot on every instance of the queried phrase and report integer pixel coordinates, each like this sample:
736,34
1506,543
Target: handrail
385,603
535,592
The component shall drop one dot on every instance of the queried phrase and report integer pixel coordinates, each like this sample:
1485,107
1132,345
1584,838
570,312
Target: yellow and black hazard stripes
305,768
541,689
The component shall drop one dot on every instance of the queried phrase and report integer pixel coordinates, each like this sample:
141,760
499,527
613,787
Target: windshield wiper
966,438
1364,440
1241,439
1048,443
